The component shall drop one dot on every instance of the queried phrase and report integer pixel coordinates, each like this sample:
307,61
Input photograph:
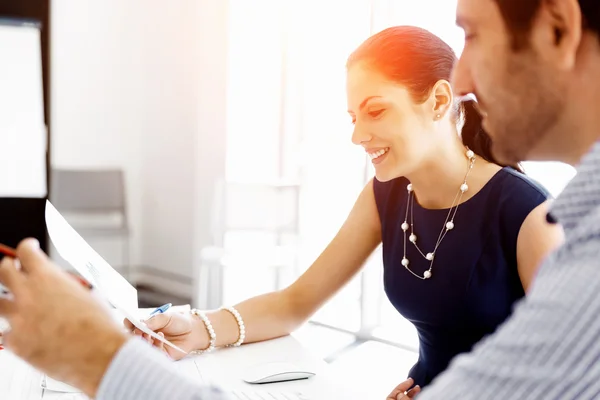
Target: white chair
255,225
94,203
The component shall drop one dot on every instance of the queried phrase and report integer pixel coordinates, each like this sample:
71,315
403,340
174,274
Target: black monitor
23,133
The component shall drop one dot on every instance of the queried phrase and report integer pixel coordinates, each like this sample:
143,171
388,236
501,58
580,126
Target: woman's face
395,131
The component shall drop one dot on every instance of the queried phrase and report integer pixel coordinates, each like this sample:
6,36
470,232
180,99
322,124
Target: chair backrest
257,207
89,192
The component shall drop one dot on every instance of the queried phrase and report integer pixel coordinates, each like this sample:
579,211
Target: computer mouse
276,372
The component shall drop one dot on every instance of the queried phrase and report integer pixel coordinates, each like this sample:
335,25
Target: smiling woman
429,70
378,155
438,187
461,234
332,170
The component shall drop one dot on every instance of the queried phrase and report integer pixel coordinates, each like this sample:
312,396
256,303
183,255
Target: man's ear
557,32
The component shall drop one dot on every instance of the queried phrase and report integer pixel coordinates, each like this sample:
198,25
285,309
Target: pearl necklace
448,223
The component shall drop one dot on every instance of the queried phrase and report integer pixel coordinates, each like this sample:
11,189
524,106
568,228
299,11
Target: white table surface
225,367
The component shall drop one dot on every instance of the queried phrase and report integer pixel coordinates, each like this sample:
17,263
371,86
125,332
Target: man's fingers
9,274
128,325
31,256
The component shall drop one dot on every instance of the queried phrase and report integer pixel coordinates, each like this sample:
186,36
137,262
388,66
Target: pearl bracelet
241,326
210,330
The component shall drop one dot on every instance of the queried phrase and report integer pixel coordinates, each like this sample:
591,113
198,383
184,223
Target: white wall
96,91
139,84
185,155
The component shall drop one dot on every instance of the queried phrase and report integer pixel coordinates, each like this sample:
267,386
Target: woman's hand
182,329
402,392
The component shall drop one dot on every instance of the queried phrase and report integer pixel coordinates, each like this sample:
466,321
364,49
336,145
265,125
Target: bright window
287,119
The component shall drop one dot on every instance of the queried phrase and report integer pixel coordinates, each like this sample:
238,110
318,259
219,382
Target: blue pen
160,309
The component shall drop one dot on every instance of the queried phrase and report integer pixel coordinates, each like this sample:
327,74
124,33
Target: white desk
224,367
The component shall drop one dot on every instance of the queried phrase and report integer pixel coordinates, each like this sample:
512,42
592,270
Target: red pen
12,253
8,251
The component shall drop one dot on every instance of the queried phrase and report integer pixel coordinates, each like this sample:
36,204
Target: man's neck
582,126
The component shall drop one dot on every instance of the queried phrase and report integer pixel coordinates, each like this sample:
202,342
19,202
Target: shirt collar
582,194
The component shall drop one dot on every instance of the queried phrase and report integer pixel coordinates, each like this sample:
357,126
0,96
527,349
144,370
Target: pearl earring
438,116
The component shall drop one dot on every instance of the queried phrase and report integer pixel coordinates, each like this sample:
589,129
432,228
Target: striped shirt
550,347
140,372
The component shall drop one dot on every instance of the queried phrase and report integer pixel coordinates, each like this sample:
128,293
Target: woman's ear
441,98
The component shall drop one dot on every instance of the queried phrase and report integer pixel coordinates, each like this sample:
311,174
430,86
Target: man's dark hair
519,15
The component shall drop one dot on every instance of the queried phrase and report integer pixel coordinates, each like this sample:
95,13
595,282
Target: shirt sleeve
138,372
548,349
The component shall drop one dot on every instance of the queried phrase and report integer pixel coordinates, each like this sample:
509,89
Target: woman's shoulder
517,195
520,186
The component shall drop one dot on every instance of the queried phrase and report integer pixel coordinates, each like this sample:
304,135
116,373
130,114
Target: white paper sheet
17,379
64,396
77,252
57,386
48,395
119,293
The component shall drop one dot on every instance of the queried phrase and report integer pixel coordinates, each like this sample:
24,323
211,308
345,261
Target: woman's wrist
212,341
226,323
201,338
240,325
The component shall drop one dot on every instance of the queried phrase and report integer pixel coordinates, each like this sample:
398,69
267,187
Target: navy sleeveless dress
474,281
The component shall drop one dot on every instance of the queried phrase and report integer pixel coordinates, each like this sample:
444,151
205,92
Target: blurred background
202,147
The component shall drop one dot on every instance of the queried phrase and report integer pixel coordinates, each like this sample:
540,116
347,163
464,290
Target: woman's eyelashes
376,113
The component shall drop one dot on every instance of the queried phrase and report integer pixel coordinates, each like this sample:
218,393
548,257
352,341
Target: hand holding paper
119,293
179,327
56,324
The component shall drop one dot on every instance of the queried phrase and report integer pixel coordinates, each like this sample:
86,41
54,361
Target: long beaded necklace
448,223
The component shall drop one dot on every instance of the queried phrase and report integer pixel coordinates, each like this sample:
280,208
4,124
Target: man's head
530,63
